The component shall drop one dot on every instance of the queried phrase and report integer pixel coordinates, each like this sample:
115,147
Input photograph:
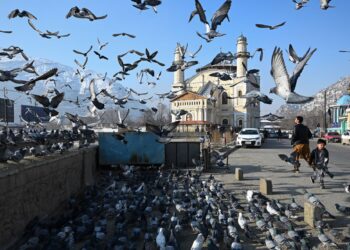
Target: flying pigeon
293,56
219,16
83,13
325,4
285,84
264,26
18,13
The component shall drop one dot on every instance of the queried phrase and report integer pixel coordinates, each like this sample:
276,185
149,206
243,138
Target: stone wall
38,186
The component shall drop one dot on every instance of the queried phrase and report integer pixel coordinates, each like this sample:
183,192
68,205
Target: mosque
213,102
340,114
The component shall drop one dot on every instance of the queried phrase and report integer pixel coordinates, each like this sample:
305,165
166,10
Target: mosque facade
214,102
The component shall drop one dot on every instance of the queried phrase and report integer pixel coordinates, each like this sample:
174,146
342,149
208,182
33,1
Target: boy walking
300,143
319,159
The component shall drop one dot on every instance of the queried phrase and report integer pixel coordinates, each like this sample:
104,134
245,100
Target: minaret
242,55
179,76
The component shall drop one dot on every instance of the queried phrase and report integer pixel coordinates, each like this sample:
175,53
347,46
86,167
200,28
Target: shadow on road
274,144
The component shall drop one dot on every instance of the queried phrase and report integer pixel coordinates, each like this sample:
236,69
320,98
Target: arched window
240,123
188,117
240,93
224,122
224,98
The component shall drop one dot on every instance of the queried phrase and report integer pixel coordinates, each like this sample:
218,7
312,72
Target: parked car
249,137
285,135
345,138
273,135
332,137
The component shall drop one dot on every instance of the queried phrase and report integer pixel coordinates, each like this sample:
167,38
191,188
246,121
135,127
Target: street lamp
325,110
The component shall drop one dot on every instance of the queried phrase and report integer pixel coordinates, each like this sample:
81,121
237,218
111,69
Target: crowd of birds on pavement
171,209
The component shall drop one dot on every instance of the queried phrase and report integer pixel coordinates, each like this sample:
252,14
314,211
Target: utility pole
5,106
325,110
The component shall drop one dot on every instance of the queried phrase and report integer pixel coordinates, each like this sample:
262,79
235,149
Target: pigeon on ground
198,242
270,243
342,209
160,239
325,240
294,205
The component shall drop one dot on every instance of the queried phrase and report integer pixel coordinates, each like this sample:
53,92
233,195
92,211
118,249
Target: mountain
333,93
66,76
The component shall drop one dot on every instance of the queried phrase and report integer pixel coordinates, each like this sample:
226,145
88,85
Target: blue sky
309,27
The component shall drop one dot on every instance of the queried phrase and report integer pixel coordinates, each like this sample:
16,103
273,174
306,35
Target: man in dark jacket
300,142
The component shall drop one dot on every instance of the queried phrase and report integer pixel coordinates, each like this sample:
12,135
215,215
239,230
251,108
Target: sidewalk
265,163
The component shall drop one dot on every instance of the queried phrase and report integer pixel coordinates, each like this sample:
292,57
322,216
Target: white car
249,137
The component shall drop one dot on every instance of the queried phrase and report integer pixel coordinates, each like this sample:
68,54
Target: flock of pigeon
15,144
161,209
285,85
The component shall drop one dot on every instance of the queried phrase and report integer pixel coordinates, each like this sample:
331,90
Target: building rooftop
221,66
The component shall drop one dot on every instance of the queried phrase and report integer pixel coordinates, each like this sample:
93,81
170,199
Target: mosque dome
344,100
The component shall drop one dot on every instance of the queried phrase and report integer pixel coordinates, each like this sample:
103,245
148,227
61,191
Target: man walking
300,142
279,134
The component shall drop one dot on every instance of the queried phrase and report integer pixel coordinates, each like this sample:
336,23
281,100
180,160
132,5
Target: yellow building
206,97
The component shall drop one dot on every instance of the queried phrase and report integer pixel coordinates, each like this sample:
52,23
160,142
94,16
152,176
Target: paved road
339,154
265,163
